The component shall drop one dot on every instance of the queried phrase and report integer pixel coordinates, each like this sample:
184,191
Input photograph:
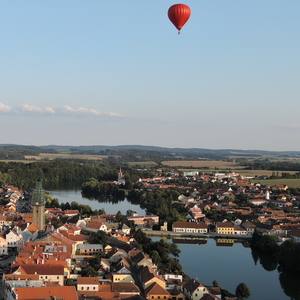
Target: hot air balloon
179,14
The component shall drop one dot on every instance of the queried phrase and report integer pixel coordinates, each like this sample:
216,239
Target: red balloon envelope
179,14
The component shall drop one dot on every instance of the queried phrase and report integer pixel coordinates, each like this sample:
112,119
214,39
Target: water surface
64,196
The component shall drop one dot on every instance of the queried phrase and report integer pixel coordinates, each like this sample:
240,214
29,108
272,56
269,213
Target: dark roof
125,287
145,274
192,285
184,224
225,224
209,297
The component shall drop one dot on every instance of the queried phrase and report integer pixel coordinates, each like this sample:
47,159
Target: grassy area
211,164
293,183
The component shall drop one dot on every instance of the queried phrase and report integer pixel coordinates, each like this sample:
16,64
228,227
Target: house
30,233
14,239
97,225
226,228
118,255
47,293
194,290
250,227
156,292
105,264
49,272
88,284
125,229
125,289
89,249
123,274
148,278
11,282
144,220
239,230
71,213
189,227
196,212
295,235
3,246
173,281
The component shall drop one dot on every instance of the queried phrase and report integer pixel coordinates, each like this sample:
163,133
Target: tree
242,291
215,283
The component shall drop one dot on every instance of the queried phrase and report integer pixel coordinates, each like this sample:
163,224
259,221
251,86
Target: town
50,251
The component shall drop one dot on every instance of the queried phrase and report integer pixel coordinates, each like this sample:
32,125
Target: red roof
47,293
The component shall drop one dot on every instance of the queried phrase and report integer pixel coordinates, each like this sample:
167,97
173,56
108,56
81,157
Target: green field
293,183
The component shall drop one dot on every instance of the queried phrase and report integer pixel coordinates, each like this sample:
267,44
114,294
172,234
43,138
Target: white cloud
50,110
4,108
89,111
37,109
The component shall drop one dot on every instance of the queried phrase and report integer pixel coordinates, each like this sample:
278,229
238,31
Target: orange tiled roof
46,293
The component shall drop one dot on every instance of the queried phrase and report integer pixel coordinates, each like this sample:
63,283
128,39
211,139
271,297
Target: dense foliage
56,173
163,254
163,203
285,257
102,190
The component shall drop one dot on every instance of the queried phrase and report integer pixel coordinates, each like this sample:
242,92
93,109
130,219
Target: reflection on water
110,206
207,261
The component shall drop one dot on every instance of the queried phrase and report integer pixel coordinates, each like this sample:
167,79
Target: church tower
38,206
121,178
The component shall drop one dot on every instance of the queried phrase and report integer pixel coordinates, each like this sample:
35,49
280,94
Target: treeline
94,188
55,174
163,203
266,164
284,257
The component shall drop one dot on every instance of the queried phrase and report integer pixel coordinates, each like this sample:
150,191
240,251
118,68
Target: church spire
38,194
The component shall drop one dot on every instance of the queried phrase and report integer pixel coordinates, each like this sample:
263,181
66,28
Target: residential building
226,228
156,292
88,284
46,293
189,227
194,290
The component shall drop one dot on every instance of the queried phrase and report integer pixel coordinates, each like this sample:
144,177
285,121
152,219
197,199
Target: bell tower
38,206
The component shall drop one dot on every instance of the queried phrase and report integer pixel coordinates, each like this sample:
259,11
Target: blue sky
116,72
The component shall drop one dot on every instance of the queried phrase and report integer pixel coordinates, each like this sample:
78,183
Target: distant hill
140,152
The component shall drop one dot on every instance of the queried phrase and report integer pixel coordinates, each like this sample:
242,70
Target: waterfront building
194,290
226,228
189,227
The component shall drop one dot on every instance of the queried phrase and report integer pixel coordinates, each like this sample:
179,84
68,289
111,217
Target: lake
229,265
64,196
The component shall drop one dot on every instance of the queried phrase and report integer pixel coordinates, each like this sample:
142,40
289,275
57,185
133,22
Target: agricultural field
208,164
256,173
52,156
293,183
243,172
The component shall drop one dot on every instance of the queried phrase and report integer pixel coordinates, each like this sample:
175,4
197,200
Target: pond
110,207
229,266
